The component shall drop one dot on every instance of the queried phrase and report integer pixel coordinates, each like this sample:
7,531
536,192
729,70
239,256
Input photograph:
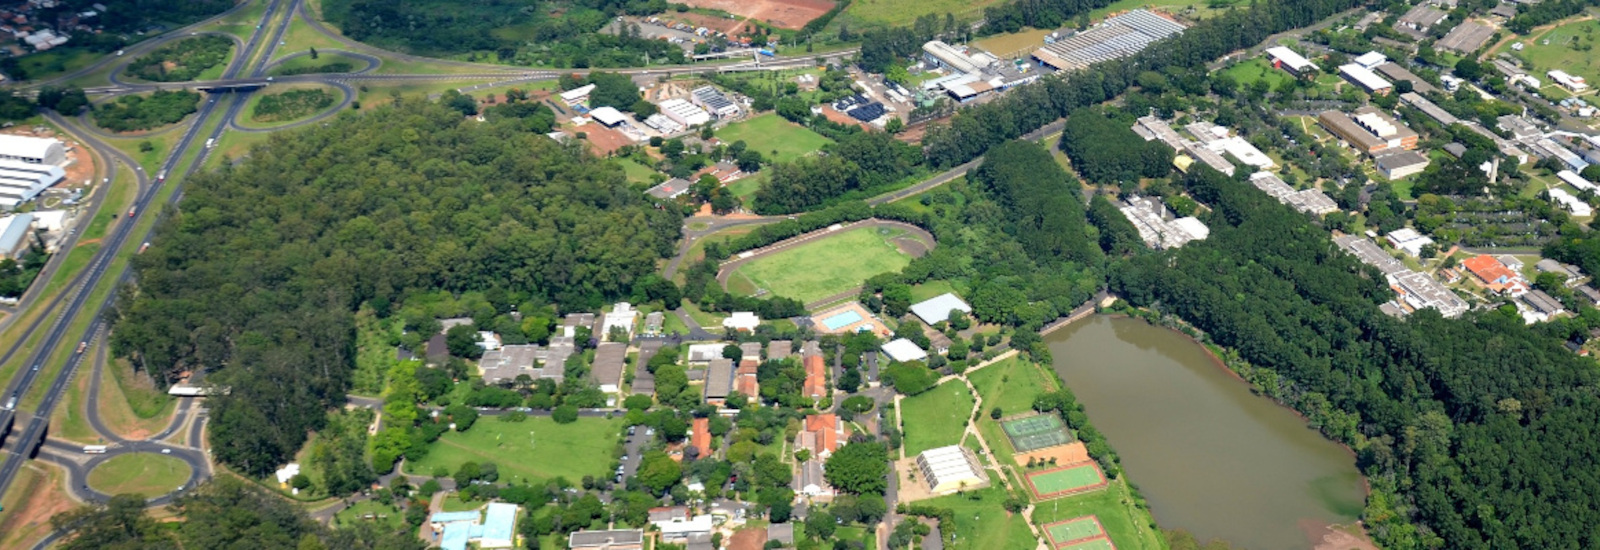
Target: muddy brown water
1210,456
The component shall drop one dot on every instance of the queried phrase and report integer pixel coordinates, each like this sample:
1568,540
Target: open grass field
746,187
1065,480
1257,68
823,267
1015,44
637,173
143,473
1562,48
1112,508
936,418
1198,9
43,65
1010,384
566,450
1075,529
776,138
70,419
903,12
324,63
370,511
982,523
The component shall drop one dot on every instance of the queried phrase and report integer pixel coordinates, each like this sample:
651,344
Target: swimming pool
842,319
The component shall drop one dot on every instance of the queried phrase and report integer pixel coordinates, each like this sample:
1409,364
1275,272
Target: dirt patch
784,14
602,140
1071,453
1324,536
748,539
912,247
30,522
727,26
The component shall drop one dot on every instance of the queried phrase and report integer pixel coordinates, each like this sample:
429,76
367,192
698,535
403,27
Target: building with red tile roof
700,436
816,384
821,434
1495,276
744,379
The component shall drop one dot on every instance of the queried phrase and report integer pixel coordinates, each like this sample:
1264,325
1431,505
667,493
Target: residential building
1466,38
904,350
750,351
610,360
719,380
504,365
816,383
617,539
653,322
1369,130
21,181
701,354
32,150
684,112
700,437
1400,164
1408,240
725,172
1495,276
950,469
620,319
937,309
779,349
821,434
744,378
681,530
1366,79
1286,59
714,102
1116,37
811,480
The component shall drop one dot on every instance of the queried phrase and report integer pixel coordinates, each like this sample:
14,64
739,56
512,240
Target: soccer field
768,133
1065,480
823,267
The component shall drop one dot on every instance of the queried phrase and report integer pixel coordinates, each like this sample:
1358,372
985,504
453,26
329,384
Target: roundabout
144,473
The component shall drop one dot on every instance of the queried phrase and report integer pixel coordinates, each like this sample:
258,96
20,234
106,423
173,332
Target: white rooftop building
742,320
1572,178
577,95
1365,78
1287,59
22,181
1571,82
621,316
683,112
608,116
943,55
950,469
937,309
1371,60
1572,204
32,150
903,350
1409,240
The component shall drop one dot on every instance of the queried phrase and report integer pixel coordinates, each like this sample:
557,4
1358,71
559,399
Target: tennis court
1074,530
1066,480
1101,543
1034,432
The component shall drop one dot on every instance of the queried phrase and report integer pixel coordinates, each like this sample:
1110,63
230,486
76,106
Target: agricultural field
983,523
904,12
775,138
143,473
565,450
936,418
824,267
1569,47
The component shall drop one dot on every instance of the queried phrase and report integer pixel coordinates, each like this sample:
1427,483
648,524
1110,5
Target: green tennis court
1036,432
1066,480
1101,543
1074,530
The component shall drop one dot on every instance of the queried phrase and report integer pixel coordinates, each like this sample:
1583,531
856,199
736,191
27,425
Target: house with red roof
816,384
700,436
821,434
1495,276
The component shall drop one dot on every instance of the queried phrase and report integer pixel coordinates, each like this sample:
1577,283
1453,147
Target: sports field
1101,543
1074,530
537,449
148,474
1065,480
1036,432
775,138
823,267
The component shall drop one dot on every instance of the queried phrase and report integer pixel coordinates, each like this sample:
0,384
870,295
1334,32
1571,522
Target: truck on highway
767,52
162,176
82,346
142,247
94,449
11,404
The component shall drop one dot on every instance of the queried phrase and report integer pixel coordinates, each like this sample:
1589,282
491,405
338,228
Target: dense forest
258,275
182,60
521,32
1105,151
1475,433
859,164
124,16
132,113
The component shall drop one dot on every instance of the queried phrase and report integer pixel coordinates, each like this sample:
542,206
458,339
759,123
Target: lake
1210,456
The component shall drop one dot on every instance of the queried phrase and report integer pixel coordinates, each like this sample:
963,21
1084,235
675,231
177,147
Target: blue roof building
498,529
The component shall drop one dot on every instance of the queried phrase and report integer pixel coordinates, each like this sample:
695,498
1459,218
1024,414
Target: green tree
858,468
659,472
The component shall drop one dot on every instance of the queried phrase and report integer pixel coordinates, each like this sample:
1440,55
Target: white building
1365,78
1371,60
1288,60
742,320
621,316
577,96
950,469
1572,178
21,181
937,309
608,116
1571,82
714,102
1572,204
945,56
32,150
903,350
684,113
680,529
1409,240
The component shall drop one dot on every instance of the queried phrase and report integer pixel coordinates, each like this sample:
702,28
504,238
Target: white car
166,451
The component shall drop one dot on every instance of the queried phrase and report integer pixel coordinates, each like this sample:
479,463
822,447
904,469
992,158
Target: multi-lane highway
246,73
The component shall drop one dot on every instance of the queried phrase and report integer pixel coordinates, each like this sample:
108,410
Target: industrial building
942,55
1286,59
714,102
32,150
608,116
1419,20
1366,79
1465,38
1310,201
1156,226
1117,37
1434,111
684,113
1369,253
21,181
1573,83
14,232
1152,128
1369,130
951,469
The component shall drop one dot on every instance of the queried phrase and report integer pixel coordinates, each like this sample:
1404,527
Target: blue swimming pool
841,320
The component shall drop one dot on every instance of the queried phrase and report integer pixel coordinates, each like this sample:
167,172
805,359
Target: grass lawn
70,420
1169,6
1555,49
746,187
35,495
849,533
983,523
43,65
453,503
568,450
1257,68
129,402
930,289
305,62
1114,508
1011,385
775,138
902,12
143,473
1009,45
387,516
936,418
637,173
823,267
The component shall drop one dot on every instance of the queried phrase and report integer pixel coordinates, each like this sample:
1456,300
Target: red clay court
784,14
1066,480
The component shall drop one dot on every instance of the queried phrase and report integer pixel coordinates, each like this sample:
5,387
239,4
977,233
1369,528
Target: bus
94,449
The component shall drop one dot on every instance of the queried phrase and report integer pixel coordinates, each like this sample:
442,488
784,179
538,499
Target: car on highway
142,247
81,346
166,451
